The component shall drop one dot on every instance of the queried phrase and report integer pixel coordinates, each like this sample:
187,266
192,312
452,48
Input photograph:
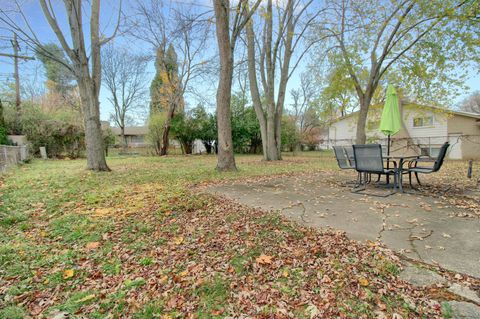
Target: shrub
3,136
54,131
185,129
155,130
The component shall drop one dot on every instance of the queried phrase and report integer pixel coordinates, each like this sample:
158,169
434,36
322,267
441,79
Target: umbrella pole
388,160
388,145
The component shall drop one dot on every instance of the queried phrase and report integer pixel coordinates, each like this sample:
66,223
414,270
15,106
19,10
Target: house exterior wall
429,138
470,128
437,129
343,131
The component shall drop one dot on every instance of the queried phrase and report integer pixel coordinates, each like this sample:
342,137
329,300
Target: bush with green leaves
290,134
56,131
3,136
156,122
185,128
206,125
245,127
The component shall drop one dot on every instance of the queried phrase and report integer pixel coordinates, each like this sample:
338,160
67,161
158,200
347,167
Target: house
425,129
136,136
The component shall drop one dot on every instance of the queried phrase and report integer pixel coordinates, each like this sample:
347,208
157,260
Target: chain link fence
12,155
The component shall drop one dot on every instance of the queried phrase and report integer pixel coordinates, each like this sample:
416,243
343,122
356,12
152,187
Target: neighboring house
136,136
425,129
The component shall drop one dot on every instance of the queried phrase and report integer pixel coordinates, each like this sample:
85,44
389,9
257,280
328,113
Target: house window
423,121
431,151
137,139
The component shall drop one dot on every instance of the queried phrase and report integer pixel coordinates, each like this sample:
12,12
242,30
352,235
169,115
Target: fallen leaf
326,279
264,259
59,315
313,310
93,245
178,240
163,279
68,273
86,298
363,282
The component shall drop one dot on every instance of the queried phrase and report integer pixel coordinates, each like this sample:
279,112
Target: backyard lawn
143,241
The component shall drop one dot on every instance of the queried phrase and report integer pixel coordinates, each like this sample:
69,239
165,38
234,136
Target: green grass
213,295
140,215
48,213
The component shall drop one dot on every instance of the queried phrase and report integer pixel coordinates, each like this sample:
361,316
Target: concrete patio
424,228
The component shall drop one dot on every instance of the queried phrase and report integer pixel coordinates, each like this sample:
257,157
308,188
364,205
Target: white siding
344,130
455,150
437,129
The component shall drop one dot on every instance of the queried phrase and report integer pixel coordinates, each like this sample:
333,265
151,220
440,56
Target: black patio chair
342,158
350,156
369,160
437,164
344,162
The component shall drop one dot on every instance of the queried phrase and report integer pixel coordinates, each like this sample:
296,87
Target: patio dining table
400,159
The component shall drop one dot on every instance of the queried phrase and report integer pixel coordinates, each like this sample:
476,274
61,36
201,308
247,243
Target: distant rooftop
131,130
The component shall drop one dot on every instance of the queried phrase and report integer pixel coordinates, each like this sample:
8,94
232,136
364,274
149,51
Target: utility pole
18,110
16,57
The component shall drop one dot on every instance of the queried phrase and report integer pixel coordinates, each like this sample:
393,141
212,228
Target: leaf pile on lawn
139,243
200,257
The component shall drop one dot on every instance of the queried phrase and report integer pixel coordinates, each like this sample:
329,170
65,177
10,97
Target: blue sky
36,19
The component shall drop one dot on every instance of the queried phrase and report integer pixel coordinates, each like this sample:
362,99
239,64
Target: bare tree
372,39
182,32
274,53
86,67
471,103
226,44
304,112
124,77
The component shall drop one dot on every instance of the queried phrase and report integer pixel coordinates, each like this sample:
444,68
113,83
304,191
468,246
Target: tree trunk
93,131
188,147
124,138
225,158
254,91
165,141
166,129
2,118
362,119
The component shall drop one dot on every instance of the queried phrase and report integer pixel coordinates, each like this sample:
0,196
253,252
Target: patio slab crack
413,238
302,214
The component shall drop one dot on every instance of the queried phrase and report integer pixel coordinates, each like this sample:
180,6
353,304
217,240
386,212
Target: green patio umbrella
391,121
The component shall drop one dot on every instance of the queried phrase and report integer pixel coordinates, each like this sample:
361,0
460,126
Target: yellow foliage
363,282
68,273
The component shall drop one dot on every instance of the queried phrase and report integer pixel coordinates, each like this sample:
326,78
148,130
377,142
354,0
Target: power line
15,56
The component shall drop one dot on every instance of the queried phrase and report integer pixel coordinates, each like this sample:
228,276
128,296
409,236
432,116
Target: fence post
470,168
